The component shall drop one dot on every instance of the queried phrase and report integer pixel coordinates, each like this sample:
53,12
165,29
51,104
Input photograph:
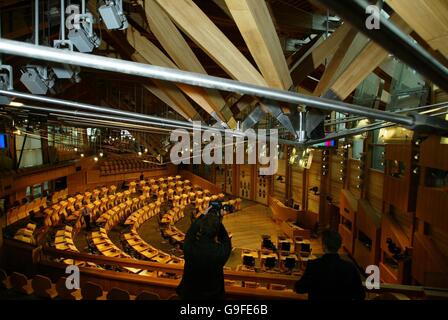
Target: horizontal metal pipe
351,132
350,119
392,39
79,114
173,75
90,107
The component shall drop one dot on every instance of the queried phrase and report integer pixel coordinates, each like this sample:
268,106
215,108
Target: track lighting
6,82
112,14
37,79
82,35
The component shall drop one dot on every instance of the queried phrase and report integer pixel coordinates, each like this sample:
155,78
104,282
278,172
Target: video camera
216,207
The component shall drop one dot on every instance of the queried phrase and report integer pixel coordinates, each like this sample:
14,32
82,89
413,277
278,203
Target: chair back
118,294
146,295
91,291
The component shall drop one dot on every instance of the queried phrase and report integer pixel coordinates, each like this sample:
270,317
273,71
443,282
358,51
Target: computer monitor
3,141
305,247
267,243
290,263
285,246
249,261
270,262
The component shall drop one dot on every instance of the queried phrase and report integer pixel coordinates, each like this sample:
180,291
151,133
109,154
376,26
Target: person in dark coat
207,248
330,277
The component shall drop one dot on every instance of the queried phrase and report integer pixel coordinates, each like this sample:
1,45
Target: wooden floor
251,222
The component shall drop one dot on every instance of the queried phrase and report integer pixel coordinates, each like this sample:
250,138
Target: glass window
32,149
377,152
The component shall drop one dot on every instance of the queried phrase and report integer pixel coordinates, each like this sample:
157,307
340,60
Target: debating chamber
224,150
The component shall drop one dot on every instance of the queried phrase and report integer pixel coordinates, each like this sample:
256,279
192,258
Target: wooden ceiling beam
166,92
199,28
178,49
428,18
335,63
323,49
155,56
258,30
364,64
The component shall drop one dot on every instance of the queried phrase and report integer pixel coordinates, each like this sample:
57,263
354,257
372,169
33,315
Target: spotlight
37,79
112,14
76,149
101,154
66,71
82,35
5,82
139,153
146,150
82,155
95,159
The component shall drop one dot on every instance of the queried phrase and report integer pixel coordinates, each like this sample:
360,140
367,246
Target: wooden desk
149,253
249,253
133,270
59,239
161,258
179,237
104,246
113,253
140,247
62,246
134,242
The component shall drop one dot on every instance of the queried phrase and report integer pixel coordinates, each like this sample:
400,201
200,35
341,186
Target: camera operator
207,248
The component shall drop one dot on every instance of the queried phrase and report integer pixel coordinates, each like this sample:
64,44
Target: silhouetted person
86,216
330,277
142,177
207,247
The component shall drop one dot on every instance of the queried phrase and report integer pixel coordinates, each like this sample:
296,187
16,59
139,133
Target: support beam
154,56
335,63
393,39
178,49
167,92
322,50
428,18
257,28
207,35
363,65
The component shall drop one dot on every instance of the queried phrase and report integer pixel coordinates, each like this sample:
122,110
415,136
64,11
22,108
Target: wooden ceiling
243,40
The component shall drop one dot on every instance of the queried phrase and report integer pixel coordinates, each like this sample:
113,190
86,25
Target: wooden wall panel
354,172
297,185
280,185
375,189
336,184
314,175
368,224
262,187
245,181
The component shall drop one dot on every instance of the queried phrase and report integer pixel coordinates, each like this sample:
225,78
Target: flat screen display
326,144
2,141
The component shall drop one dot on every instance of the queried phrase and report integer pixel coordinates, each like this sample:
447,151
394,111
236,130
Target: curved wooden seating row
115,166
64,239
21,212
42,287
